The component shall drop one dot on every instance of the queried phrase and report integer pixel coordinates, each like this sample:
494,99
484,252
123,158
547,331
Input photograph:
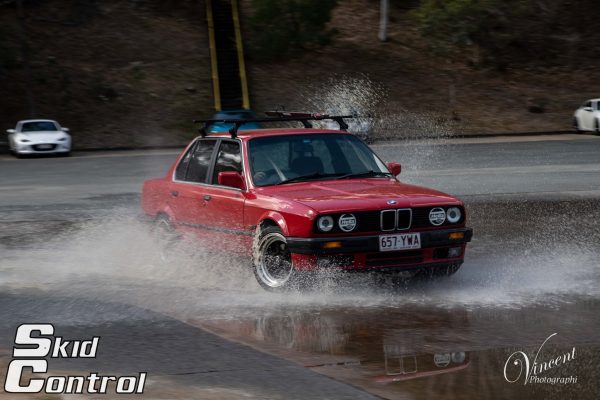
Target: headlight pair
346,222
437,215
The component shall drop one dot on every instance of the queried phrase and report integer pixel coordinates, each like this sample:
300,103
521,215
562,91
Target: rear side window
182,168
228,159
200,161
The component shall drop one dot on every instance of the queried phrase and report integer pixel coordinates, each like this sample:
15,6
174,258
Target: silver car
39,136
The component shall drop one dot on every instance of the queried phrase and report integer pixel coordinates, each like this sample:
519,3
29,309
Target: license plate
402,241
44,146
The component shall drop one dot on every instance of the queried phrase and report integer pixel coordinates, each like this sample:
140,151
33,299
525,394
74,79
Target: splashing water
116,259
377,119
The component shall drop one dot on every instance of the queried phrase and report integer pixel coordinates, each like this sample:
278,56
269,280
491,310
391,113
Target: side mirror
395,168
65,129
10,131
587,109
232,179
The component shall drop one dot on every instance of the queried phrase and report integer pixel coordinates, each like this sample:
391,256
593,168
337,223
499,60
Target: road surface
74,253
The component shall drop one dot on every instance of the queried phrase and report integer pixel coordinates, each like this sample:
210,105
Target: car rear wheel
272,261
165,238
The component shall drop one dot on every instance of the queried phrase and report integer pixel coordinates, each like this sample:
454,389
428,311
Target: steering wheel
265,177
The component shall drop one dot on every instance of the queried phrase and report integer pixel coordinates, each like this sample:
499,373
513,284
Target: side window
200,161
228,159
183,164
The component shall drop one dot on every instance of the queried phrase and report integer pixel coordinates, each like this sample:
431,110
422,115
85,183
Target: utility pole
383,20
25,58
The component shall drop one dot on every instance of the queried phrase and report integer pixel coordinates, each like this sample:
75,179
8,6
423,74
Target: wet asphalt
75,254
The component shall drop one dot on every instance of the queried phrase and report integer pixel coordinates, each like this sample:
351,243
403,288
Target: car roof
596,99
36,120
251,133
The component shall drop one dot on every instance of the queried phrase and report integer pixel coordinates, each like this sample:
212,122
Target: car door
188,190
587,116
178,184
225,205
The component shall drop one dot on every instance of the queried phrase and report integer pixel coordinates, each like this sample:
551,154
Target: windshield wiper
300,178
366,174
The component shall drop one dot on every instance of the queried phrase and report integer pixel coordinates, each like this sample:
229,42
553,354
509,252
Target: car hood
42,136
357,195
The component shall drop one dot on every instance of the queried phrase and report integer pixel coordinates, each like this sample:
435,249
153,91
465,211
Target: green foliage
496,27
283,26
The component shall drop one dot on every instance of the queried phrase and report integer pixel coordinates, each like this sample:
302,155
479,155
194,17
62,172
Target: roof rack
274,116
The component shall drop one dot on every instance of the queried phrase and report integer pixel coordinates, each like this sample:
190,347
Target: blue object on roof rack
235,124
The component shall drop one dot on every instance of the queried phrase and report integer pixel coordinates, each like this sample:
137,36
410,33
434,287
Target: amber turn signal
332,245
456,235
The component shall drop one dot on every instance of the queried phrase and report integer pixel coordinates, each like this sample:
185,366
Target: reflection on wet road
419,352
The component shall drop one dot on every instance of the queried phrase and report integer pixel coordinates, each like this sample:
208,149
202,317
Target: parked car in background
39,136
295,201
587,117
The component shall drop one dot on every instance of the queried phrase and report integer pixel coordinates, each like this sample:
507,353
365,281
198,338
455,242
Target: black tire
165,237
439,271
576,126
597,127
272,262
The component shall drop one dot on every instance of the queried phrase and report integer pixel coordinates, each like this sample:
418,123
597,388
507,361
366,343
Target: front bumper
370,244
361,253
42,148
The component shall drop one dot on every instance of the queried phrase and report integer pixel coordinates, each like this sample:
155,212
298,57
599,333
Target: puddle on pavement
523,280
424,353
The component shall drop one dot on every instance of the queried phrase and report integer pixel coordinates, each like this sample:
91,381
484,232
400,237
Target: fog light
456,235
332,245
454,252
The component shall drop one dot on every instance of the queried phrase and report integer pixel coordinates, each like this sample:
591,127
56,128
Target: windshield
293,158
38,126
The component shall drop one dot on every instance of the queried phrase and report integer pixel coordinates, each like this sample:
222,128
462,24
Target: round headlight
437,216
325,224
453,215
347,222
459,357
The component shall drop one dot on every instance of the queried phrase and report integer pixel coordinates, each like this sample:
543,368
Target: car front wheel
272,261
576,126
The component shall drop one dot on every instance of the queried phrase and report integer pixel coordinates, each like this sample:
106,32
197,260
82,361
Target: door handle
207,197
174,193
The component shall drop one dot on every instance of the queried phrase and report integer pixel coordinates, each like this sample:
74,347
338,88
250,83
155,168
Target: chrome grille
397,219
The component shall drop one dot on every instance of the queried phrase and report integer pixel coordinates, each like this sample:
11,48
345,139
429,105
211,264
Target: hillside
137,72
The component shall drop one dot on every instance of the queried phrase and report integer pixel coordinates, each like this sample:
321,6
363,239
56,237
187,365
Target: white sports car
37,136
587,117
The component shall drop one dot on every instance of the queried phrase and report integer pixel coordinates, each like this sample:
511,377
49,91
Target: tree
283,26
